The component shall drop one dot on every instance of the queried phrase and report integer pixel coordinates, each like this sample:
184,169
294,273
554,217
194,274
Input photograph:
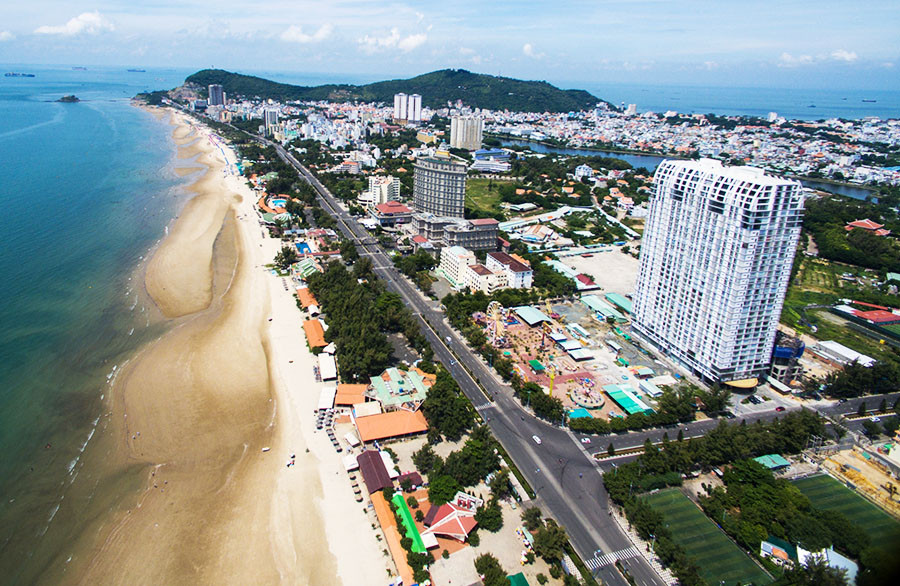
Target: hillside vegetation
436,88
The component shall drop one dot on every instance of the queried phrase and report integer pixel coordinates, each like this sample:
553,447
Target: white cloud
89,23
844,55
371,44
788,60
6,36
412,41
528,50
295,34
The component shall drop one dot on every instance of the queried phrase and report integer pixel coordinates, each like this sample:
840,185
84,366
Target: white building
382,189
271,118
466,132
400,106
480,278
518,274
453,260
414,108
715,263
631,110
583,171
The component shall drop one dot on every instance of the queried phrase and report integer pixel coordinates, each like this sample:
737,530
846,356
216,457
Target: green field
479,197
893,327
824,492
717,556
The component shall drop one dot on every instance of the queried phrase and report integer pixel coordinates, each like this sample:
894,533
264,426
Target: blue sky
783,43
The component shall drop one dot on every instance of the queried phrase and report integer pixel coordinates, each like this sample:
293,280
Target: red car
779,408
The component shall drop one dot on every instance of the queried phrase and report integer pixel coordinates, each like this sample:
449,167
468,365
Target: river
650,162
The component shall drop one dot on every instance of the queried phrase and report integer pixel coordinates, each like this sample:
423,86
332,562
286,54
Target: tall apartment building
466,132
216,95
715,263
408,108
271,120
439,187
383,189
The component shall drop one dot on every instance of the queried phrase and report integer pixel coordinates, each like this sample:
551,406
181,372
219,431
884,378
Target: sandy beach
191,413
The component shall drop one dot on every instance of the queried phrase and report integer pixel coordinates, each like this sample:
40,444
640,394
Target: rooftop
392,424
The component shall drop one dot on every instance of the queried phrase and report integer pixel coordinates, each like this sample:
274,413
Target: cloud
89,23
412,41
371,44
295,34
844,55
788,60
6,36
528,50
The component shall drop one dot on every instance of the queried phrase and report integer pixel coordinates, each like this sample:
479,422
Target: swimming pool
303,248
277,203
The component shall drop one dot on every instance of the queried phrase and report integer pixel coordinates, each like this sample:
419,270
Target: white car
585,440
876,419
536,439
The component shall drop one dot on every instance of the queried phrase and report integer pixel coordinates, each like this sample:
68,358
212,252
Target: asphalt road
566,479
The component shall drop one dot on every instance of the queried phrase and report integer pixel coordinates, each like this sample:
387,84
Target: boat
137,70
811,106
16,74
79,68
870,101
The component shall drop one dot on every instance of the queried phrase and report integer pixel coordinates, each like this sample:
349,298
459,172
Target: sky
754,43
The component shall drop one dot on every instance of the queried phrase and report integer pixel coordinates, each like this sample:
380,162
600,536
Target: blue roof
773,461
620,301
531,315
579,413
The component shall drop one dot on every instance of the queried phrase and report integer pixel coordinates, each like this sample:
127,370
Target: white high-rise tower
400,106
716,258
414,108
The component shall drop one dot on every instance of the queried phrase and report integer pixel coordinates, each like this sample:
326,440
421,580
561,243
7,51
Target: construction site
580,353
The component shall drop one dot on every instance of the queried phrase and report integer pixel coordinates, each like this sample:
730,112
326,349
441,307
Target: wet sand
191,412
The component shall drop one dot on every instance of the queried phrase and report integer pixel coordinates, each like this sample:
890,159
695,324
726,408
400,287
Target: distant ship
870,101
811,106
79,68
138,70
15,74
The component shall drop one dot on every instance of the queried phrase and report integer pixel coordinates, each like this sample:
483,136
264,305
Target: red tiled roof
480,269
866,224
878,316
484,222
392,207
419,239
585,279
452,521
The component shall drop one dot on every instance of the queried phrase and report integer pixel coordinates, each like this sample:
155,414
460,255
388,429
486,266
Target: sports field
824,492
717,556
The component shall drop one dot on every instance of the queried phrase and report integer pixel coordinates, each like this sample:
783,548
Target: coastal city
450,294
607,317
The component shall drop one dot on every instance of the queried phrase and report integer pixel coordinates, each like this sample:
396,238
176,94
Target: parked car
779,408
585,440
536,439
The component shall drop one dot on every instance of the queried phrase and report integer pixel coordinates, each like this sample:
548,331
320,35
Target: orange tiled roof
392,424
350,394
306,298
315,335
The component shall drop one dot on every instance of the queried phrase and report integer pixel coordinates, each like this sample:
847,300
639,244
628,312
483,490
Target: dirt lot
614,271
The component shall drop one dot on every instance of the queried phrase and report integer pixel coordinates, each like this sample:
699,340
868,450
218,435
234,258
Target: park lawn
479,197
824,492
718,558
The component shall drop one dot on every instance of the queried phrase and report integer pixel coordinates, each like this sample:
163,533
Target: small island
71,99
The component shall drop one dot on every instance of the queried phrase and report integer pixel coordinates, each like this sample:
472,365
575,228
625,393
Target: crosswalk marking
483,407
595,563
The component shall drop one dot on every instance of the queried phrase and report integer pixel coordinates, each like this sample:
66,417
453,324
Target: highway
564,476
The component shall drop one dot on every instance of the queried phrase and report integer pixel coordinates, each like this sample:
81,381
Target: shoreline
189,494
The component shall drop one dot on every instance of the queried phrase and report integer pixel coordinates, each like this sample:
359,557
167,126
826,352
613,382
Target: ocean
87,190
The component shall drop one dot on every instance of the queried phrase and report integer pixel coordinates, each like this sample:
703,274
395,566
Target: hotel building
439,187
716,258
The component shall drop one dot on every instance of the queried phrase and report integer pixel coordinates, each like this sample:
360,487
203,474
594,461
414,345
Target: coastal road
564,476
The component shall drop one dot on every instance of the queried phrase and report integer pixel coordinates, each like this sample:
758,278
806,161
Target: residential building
478,277
390,213
216,95
786,355
631,110
271,119
715,263
478,234
400,103
466,132
414,108
382,189
518,274
439,187
454,259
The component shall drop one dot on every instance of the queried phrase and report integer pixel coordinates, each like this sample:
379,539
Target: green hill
436,88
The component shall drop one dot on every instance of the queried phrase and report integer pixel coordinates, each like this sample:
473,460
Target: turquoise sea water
86,190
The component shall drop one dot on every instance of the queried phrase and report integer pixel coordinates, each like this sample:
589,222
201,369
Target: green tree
550,542
532,518
424,458
490,570
286,257
861,411
817,572
490,516
442,489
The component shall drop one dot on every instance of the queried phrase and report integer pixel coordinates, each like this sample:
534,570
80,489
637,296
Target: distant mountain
436,88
